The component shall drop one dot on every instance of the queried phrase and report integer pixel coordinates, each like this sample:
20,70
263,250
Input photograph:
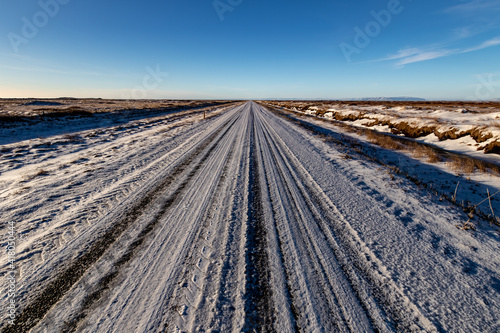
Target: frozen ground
245,221
439,177
23,119
470,129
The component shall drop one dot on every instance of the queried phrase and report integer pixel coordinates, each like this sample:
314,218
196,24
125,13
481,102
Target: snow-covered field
244,221
473,130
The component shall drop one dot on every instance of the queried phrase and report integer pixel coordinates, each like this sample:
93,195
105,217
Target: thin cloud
424,56
413,55
489,43
404,53
464,32
474,6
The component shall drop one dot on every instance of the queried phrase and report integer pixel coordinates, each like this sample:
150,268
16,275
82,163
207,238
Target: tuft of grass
461,164
421,151
346,156
480,134
492,148
385,141
40,172
412,131
432,155
72,138
481,166
466,226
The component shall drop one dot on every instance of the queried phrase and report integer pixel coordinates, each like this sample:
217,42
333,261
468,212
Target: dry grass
433,156
418,150
467,165
480,134
25,109
72,138
461,164
40,172
63,112
481,166
423,151
471,106
411,130
20,191
9,119
466,226
384,141
492,148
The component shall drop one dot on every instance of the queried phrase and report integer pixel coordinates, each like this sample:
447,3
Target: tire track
159,269
226,310
337,298
62,283
361,269
259,312
185,300
237,237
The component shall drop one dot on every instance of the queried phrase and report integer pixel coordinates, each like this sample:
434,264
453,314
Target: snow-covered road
241,222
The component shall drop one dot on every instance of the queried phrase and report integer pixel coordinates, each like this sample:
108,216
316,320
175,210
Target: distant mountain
377,99
395,99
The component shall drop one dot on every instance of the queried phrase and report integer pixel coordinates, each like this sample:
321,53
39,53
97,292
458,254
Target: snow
487,119
345,245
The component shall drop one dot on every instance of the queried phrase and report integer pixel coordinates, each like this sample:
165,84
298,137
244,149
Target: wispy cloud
424,56
474,6
464,32
413,55
480,16
488,43
404,53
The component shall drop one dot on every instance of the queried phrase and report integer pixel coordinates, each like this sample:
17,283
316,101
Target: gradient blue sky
448,49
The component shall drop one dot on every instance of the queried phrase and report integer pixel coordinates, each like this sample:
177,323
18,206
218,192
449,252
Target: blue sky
242,49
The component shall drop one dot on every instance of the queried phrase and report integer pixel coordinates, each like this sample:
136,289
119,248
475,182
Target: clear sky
250,49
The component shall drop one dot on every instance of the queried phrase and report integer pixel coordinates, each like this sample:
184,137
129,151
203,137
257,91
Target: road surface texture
250,223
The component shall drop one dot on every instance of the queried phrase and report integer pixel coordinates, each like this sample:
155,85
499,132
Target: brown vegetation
423,151
470,106
383,141
69,111
459,163
492,148
14,110
411,130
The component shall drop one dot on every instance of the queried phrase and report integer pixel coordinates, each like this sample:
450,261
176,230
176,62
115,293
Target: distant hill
396,99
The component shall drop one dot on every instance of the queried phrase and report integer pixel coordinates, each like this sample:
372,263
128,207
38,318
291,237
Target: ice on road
243,222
